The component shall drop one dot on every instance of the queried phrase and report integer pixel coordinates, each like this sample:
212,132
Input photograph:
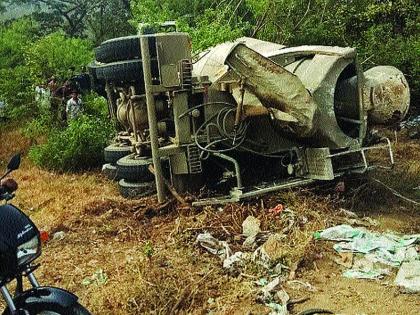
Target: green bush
55,54
386,32
95,105
77,147
43,123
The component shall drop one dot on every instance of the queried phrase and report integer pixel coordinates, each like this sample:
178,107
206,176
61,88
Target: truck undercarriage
247,118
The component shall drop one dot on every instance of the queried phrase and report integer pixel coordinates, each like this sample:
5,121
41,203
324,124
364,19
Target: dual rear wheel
132,172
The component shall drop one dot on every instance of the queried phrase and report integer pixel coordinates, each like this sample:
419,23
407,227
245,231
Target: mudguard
45,295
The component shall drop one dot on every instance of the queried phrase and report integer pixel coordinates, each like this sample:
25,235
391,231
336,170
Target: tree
209,22
384,31
15,86
56,54
14,40
109,20
97,19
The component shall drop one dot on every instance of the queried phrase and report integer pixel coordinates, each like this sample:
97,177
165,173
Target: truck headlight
28,251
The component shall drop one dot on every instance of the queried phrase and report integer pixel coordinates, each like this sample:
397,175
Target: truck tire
92,71
132,190
119,49
114,152
135,169
126,71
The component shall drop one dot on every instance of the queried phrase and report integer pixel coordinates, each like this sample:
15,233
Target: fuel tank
15,229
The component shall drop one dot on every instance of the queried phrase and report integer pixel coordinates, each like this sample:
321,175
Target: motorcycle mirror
14,163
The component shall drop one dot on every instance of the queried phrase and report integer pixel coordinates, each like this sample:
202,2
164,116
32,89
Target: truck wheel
118,49
134,168
132,190
114,152
130,70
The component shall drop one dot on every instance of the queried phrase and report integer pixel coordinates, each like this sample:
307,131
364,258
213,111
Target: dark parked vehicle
20,245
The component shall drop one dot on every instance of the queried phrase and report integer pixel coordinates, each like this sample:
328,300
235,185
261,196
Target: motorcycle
20,245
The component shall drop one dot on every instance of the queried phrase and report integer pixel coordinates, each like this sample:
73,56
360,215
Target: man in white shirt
74,106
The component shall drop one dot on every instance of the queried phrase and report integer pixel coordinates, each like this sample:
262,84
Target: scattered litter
274,296
58,236
386,248
44,236
262,282
411,122
261,258
296,284
277,309
304,220
222,249
278,269
366,221
338,233
365,268
345,259
348,213
213,245
359,274
282,297
411,254
277,209
98,278
233,260
414,133
250,229
408,277
266,292
249,242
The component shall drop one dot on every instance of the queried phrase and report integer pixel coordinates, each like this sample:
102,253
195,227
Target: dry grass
148,252
11,141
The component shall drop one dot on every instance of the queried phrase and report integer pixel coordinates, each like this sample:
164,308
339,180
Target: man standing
74,106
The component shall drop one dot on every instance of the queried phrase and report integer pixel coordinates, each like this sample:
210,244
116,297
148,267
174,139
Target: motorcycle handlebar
6,196
7,187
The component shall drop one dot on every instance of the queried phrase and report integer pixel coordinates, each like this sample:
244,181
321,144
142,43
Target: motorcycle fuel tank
15,229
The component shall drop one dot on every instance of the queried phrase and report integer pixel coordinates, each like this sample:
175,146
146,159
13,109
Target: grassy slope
104,231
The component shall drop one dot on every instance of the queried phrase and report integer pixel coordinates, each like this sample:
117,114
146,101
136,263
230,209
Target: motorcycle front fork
8,297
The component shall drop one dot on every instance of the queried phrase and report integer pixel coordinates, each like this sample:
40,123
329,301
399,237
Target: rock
250,229
251,226
249,242
58,236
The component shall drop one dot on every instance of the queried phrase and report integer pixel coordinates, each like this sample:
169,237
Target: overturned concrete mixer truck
245,118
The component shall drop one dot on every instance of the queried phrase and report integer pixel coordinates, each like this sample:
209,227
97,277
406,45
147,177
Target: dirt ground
138,257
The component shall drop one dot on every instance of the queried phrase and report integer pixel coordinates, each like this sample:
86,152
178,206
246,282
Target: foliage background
386,32
52,37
